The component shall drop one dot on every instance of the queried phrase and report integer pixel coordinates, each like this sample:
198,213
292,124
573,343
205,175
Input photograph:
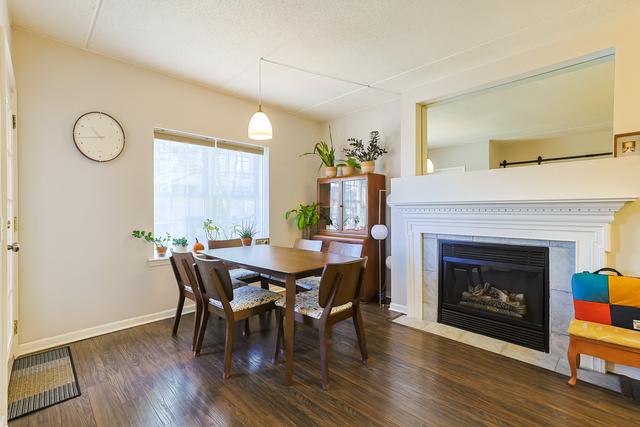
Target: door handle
15,247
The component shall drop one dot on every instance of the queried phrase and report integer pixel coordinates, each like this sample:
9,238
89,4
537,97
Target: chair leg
362,340
264,283
325,345
279,335
196,326
247,327
228,346
203,328
574,361
176,321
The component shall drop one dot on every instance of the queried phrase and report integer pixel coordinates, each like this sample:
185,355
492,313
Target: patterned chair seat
246,297
309,283
307,304
244,275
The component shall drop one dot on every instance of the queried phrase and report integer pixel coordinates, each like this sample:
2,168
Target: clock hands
96,132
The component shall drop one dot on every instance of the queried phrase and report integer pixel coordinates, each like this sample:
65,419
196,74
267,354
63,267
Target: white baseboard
399,308
69,337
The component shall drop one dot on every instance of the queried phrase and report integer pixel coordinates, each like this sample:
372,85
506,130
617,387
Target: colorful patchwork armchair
607,319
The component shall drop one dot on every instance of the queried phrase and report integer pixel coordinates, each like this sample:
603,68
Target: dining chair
243,274
337,299
308,245
180,263
350,249
234,304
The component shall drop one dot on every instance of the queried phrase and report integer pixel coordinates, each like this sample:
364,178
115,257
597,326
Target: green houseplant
246,232
180,245
367,155
159,242
327,156
349,166
211,231
305,217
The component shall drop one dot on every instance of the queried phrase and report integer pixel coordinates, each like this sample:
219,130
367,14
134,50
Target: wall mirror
561,115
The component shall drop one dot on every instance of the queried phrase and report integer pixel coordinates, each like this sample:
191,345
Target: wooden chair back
179,269
348,249
341,282
221,244
308,245
214,280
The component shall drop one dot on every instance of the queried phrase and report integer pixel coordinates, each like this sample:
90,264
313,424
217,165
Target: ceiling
395,45
569,101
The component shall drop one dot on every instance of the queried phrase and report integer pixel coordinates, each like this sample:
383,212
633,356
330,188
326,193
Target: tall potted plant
305,217
366,155
327,155
211,231
160,243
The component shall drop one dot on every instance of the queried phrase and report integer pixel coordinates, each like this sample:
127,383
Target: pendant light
260,125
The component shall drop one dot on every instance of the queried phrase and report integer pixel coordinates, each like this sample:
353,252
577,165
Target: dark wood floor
143,376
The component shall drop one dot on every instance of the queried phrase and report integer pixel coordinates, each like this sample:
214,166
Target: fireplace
498,290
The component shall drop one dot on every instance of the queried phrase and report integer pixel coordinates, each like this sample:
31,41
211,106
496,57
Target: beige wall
569,145
472,156
78,267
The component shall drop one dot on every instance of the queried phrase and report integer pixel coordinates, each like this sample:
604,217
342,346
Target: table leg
289,327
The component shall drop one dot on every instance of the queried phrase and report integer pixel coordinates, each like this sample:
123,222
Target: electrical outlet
636,325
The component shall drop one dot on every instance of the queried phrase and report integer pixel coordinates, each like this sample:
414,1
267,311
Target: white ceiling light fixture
260,126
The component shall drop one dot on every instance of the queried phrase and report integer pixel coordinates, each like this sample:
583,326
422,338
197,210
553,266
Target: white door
8,220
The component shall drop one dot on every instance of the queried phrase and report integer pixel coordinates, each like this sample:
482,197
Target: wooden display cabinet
348,209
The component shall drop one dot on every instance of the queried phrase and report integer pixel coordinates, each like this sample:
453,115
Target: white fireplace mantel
573,202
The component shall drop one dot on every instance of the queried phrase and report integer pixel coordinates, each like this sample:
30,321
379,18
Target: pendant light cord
260,83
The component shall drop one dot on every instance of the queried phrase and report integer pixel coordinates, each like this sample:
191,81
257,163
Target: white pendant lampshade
379,231
260,125
430,167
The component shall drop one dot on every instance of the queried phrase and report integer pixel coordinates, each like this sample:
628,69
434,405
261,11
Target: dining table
286,264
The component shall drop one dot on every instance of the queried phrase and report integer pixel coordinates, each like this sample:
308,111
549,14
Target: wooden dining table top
277,259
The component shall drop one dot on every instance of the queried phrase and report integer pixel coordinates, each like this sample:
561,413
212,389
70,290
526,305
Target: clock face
98,136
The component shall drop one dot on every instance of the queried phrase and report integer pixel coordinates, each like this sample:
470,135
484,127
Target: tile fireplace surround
566,207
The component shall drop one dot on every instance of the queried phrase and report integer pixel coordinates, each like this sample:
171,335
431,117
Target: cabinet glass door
354,205
330,209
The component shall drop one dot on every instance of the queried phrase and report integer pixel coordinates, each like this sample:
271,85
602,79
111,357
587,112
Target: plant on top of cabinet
246,232
367,155
327,156
349,166
305,217
159,242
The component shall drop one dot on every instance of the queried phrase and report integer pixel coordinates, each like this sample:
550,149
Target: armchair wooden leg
362,340
228,347
196,326
279,335
176,321
574,361
325,345
247,327
203,328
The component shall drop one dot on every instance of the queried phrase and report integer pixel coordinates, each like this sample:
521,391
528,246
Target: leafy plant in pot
349,166
160,243
327,156
180,245
305,217
246,232
366,155
211,231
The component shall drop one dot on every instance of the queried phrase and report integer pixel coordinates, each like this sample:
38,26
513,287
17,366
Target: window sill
157,262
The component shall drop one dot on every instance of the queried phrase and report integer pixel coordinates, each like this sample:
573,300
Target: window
196,178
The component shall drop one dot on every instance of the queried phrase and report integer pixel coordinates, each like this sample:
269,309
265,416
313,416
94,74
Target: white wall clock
98,136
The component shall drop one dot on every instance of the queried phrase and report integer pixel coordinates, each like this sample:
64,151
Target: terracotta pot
369,166
330,171
179,249
161,251
246,241
347,170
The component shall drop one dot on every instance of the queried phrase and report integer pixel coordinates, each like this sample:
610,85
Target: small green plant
246,230
211,231
326,153
371,152
182,241
160,242
305,217
351,162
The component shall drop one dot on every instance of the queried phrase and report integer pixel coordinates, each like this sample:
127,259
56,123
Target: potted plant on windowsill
211,231
349,166
246,232
327,156
366,155
180,245
305,217
160,243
